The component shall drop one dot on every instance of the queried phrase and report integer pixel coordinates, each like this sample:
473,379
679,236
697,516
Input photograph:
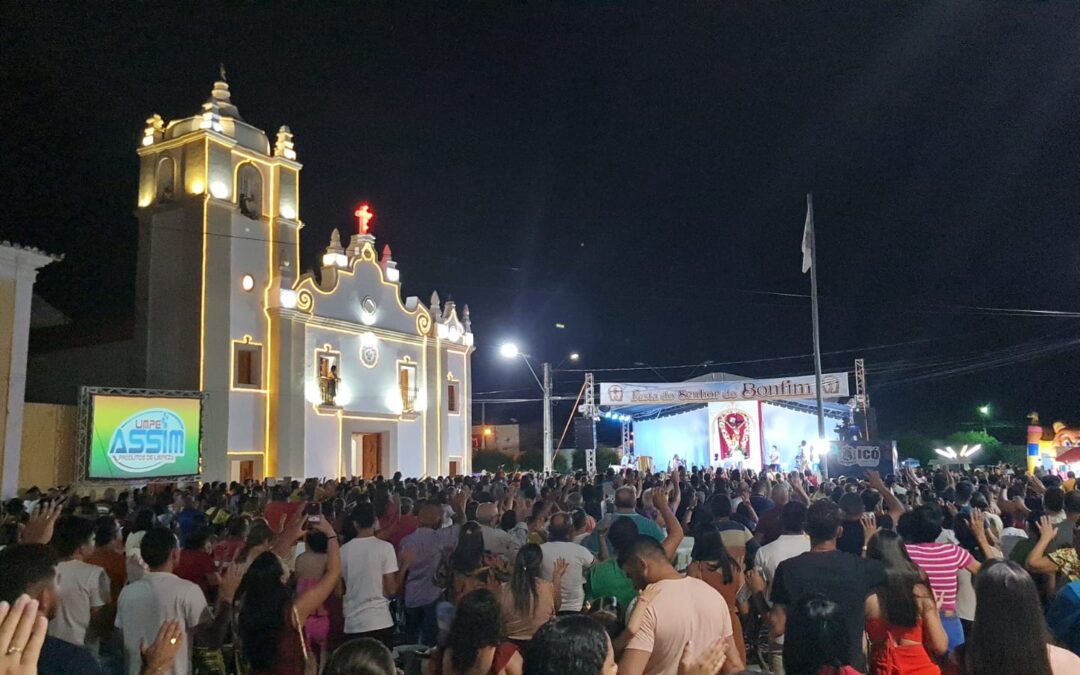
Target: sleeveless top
890,656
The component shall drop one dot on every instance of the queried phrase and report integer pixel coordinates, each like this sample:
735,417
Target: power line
773,359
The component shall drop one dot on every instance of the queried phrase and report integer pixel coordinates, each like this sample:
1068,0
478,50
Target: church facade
324,374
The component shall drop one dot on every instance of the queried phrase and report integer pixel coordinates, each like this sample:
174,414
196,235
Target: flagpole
817,333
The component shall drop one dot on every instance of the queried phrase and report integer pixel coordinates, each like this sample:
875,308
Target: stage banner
853,458
833,385
141,437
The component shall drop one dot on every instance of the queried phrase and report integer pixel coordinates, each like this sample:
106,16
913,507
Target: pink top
941,562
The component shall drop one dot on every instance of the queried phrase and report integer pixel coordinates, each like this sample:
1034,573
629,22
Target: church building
323,374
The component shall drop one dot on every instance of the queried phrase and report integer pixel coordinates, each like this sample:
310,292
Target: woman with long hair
527,601
1009,636
816,640
271,619
466,568
712,564
476,644
902,618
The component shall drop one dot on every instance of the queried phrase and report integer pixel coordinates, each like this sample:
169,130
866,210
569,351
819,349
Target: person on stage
774,459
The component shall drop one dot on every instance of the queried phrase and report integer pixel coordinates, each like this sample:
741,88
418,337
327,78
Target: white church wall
364,279
410,448
458,440
247,415
319,456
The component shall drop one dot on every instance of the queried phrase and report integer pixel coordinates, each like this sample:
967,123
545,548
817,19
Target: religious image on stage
736,436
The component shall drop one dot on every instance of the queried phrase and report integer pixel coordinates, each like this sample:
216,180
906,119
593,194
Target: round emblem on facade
369,350
369,305
369,356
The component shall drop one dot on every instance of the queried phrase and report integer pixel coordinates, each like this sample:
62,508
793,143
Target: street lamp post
510,350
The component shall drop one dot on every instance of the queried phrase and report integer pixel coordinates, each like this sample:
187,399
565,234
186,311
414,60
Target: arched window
249,190
165,180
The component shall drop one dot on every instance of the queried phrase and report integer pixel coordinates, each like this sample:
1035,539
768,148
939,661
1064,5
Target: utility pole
809,264
548,440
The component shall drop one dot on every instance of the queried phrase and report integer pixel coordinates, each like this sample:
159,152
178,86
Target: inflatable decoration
1060,442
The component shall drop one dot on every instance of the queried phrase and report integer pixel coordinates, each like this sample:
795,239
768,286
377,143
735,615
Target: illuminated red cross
364,214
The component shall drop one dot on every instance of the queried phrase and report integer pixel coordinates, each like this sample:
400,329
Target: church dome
221,115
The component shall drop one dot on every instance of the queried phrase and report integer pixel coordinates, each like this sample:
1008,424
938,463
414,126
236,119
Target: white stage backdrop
786,428
685,435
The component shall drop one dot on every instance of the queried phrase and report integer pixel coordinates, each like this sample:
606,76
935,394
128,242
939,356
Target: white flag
808,237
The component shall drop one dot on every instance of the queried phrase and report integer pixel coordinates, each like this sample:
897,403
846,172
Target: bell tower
218,211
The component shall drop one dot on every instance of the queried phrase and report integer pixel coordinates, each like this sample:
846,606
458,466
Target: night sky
635,172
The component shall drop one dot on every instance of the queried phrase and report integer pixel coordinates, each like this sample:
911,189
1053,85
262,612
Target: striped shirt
941,562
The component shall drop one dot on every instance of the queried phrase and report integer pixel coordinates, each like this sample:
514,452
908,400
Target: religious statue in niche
329,380
247,206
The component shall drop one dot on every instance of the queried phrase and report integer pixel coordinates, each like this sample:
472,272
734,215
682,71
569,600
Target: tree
491,461
605,456
915,446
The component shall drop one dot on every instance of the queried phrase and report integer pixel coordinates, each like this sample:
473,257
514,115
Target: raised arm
797,492
978,528
675,533
1037,561
892,504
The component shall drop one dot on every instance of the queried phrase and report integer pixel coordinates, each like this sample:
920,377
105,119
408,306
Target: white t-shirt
82,587
147,603
775,552
364,561
573,582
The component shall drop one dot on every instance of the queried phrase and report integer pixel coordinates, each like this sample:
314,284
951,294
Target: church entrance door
367,455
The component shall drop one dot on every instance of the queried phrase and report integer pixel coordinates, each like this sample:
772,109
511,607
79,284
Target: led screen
140,437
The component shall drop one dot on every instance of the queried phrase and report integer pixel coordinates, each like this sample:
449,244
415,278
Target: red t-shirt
225,551
195,566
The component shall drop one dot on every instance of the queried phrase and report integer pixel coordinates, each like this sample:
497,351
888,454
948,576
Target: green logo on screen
147,440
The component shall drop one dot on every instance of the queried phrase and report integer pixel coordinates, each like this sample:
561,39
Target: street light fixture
984,410
509,350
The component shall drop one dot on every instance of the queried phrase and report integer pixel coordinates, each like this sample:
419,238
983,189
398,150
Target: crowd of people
687,572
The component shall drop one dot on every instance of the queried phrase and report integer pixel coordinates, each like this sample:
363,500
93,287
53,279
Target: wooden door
247,470
370,465
453,467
